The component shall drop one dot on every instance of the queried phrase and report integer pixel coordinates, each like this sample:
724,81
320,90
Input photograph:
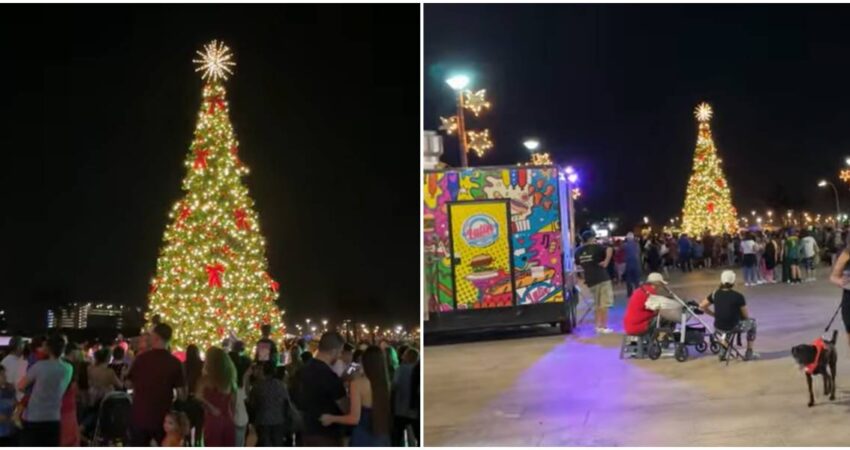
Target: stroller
113,420
680,334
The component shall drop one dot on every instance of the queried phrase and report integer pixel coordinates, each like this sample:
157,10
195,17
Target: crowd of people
784,255
317,392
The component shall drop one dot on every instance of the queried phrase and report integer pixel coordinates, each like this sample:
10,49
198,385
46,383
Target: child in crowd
176,427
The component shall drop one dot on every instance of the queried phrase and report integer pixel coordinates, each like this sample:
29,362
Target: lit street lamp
847,161
824,183
531,144
646,220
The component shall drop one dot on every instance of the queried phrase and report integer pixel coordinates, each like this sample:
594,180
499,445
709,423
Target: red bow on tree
201,158
185,211
274,285
214,272
241,219
216,102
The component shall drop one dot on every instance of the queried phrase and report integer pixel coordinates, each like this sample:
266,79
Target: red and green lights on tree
212,279
708,201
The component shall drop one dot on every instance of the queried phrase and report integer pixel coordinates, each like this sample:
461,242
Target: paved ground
533,387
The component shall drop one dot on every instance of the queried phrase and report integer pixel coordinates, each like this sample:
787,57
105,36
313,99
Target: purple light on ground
581,391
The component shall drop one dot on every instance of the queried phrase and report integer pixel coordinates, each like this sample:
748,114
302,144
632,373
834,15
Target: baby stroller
679,334
113,421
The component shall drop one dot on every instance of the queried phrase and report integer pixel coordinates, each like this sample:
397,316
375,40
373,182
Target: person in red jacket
638,318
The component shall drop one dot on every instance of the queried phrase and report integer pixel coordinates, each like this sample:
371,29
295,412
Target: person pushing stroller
730,314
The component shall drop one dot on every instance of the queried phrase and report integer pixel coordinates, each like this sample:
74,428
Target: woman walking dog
840,276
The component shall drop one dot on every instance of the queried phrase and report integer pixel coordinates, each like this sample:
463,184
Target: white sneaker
604,330
747,284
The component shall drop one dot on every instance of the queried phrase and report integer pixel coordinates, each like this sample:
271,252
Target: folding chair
730,338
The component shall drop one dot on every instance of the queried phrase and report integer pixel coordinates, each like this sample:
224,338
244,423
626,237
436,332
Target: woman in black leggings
841,276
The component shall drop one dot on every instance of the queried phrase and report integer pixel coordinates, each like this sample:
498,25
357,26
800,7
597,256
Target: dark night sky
611,89
98,111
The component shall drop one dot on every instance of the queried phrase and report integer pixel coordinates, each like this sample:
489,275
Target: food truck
497,247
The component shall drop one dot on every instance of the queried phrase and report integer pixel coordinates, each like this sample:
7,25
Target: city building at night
91,315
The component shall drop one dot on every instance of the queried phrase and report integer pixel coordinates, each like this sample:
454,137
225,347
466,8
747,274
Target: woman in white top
748,250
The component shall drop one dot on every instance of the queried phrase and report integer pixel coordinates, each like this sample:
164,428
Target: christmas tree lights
212,280
708,201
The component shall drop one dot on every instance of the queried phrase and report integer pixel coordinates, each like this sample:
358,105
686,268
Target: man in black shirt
594,260
320,392
730,313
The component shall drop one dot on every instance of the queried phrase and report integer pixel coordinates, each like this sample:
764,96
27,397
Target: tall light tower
458,83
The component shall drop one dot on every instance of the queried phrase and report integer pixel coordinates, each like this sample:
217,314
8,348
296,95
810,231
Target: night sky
611,89
98,111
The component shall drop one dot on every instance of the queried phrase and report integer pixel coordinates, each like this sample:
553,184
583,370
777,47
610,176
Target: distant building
92,315
4,327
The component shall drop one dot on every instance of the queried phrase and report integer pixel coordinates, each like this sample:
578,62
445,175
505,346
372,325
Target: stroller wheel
654,350
715,347
681,353
701,347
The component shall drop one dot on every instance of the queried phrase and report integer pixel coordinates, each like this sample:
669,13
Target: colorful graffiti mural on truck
529,197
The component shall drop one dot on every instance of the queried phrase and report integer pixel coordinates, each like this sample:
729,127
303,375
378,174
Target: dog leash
829,325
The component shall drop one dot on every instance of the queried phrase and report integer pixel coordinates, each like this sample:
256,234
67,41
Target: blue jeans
750,274
632,278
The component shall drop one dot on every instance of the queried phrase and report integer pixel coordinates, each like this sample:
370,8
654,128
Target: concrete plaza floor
534,387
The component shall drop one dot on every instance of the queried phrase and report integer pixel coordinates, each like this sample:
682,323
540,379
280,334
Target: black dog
818,363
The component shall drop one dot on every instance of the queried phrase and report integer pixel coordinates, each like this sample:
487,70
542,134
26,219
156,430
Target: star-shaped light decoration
845,175
475,102
703,112
576,193
540,159
479,141
449,125
215,62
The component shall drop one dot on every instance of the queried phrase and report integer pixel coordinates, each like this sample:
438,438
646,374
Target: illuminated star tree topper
215,62
703,112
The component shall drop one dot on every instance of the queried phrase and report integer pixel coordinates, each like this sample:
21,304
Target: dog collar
819,346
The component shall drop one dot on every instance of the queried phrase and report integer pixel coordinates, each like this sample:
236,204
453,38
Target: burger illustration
482,268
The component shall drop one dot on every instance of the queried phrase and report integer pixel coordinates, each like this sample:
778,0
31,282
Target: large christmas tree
211,278
708,202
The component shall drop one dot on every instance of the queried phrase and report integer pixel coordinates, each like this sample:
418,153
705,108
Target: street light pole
835,191
458,83
461,129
